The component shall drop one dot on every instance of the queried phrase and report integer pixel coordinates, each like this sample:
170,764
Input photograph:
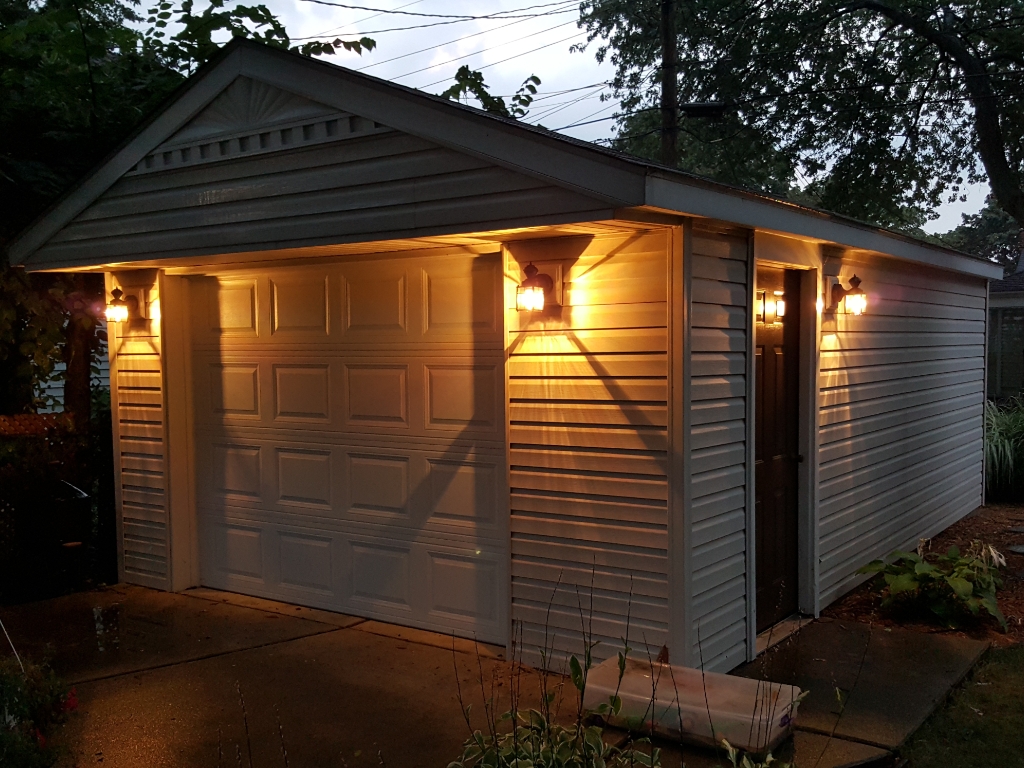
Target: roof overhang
614,180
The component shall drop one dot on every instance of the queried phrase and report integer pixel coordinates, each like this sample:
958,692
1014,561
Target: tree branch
1004,181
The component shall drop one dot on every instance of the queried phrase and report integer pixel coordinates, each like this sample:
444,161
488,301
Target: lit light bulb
780,305
856,303
530,299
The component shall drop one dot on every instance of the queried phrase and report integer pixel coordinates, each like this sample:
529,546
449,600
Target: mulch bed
991,524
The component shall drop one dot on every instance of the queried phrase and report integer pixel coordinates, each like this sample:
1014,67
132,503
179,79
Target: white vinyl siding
588,447
900,421
140,445
718,471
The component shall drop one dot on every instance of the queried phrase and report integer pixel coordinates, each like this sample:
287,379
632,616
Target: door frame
789,253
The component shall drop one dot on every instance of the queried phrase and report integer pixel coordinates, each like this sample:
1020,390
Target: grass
982,725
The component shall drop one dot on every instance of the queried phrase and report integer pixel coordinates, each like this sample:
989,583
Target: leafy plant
32,701
535,740
1004,449
738,759
950,586
470,82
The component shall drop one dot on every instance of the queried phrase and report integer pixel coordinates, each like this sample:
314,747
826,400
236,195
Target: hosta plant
950,586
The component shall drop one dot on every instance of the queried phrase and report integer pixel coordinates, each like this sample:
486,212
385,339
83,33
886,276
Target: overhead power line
483,50
566,8
337,30
461,16
570,6
510,58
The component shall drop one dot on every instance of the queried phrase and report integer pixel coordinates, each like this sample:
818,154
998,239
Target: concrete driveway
162,678
206,678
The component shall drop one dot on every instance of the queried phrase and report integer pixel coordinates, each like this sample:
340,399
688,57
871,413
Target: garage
349,438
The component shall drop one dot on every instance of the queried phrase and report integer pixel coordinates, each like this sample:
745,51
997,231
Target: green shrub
1004,450
32,702
950,586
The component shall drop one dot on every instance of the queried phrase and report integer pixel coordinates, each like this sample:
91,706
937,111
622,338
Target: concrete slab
122,629
890,679
343,698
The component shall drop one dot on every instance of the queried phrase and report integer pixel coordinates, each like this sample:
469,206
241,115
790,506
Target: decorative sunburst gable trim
336,127
251,117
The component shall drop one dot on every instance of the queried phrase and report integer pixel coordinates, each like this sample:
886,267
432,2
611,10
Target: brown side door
776,443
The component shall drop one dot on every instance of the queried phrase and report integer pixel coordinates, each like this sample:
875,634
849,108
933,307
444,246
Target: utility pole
669,85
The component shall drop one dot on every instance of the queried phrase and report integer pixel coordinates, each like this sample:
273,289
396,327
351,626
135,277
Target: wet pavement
889,680
206,678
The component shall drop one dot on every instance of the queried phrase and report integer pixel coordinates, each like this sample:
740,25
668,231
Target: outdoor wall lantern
856,299
120,310
530,295
769,308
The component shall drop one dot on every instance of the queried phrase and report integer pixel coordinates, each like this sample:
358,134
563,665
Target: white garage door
350,446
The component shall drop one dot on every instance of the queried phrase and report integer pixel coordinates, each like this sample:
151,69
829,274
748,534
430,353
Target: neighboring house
1006,335
327,394
51,393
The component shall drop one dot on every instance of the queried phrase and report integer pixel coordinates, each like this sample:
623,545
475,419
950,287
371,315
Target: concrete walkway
867,685
204,678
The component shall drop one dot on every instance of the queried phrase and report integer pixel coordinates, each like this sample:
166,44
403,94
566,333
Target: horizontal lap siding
371,187
900,420
137,397
718,450
588,451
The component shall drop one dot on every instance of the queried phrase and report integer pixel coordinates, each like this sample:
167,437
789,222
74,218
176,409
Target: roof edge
749,209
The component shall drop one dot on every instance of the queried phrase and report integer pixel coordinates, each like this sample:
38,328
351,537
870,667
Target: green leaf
962,587
875,566
901,582
576,673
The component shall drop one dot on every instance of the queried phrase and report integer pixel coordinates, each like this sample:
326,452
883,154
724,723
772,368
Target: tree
991,233
880,110
76,76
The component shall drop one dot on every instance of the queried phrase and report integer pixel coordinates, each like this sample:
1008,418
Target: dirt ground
991,524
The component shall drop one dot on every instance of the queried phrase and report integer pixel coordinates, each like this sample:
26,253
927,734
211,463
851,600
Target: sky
526,37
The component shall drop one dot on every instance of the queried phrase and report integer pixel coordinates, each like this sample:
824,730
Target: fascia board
698,200
179,112
603,178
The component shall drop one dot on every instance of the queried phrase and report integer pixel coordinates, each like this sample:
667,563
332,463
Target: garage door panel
377,396
304,478
235,470
463,396
234,389
305,561
378,484
464,493
375,302
299,304
350,438
462,298
302,392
